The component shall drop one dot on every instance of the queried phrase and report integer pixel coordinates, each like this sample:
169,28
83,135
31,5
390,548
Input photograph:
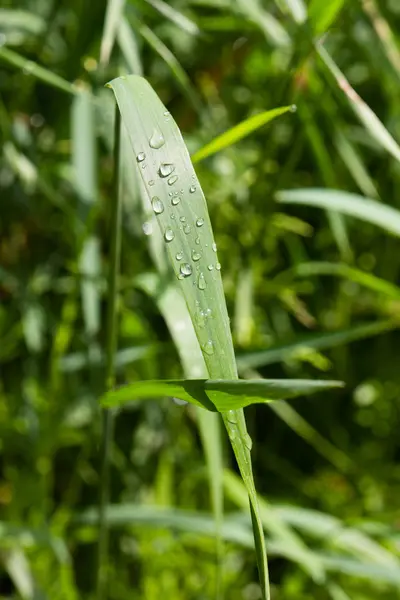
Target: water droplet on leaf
157,139
214,246
186,270
157,205
248,442
169,235
208,347
147,228
172,179
200,222
166,169
140,157
210,267
179,255
175,200
187,229
196,255
218,266
201,282
151,182
192,189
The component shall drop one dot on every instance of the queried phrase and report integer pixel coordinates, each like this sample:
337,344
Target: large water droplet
166,169
187,229
218,266
196,255
201,282
147,228
179,255
172,179
214,246
210,267
140,157
186,270
192,189
208,347
169,235
248,442
200,222
175,200
157,139
157,205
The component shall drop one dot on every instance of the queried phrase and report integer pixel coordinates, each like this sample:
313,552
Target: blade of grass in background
367,117
353,205
322,14
109,373
127,41
114,13
175,16
238,132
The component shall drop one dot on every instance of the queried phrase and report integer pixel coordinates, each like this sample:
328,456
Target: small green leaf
238,132
217,395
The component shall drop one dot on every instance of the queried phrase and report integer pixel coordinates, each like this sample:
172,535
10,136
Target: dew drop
196,255
151,182
182,219
172,179
157,140
201,282
192,189
185,270
165,169
175,200
157,205
147,228
200,222
166,114
214,246
187,229
218,266
293,108
179,255
197,240
140,157
248,442
210,267
169,235
208,347
172,216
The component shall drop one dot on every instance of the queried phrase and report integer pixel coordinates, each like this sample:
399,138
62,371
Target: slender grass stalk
110,349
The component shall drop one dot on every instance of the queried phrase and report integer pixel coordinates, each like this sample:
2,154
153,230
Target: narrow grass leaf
175,16
31,68
114,12
322,14
217,395
127,41
353,205
319,341
367,117
238,132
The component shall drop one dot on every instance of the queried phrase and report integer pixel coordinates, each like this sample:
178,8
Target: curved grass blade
217,395
32,68
175,16
178,201
238,132
320,341
114,12
342,270
368,210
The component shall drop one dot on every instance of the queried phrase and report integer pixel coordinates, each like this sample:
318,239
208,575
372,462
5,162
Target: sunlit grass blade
323,14
217,395
320,341
243,129
353,205
114,12
367,117
35,70
367,280
178,201
175,16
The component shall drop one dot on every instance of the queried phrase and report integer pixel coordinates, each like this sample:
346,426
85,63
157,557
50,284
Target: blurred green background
311,293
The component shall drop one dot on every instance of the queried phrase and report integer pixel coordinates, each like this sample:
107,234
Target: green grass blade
129,47
353,205
114,12
238,132
367,117
175,16
178,201
367,280
320,341
221,395
31,68
322,14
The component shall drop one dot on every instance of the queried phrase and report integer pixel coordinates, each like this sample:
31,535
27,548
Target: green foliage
305,215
